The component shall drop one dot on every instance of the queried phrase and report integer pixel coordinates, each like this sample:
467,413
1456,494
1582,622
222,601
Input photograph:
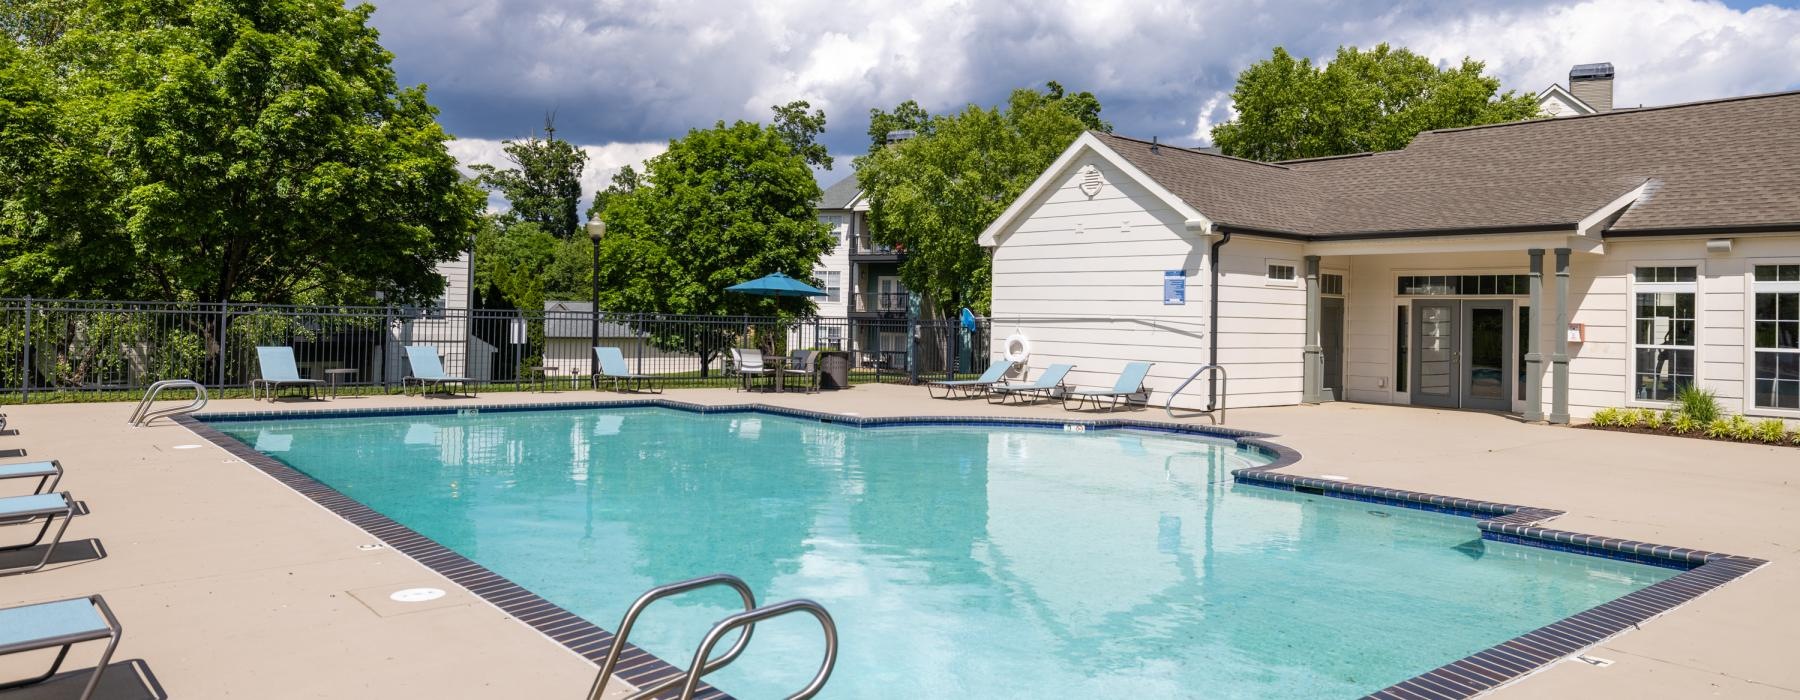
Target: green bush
1772,431
1655,420
1742,428
1718,428
1606,418
1699,403
1683,423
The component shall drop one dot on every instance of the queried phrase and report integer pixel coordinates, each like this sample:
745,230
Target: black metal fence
83,350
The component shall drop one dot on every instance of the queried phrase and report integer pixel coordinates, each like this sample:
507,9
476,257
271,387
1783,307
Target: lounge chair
428,370
612,366
749,364
48,473
803,364
1048,385
62,623
24,510
995,374
277,367
1129,386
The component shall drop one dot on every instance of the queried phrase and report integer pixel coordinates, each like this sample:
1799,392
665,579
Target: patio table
334,377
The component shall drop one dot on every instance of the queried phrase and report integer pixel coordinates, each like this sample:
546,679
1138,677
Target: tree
932,195
544,185
721,206
801,129
1375,100
218,151
907,116
623,181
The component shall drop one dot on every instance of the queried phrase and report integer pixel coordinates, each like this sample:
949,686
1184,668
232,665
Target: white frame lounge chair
993,376
61,623
24,510
1130,385
612,366
1049,385
428,370
278,369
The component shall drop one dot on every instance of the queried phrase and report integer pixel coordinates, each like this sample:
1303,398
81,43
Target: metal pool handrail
658,593
143,415
748,620
1214,403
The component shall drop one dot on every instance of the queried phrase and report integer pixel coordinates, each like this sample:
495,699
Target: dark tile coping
1476,674
1511,660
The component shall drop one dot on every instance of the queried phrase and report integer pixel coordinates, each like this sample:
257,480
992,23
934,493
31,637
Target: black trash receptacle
834,369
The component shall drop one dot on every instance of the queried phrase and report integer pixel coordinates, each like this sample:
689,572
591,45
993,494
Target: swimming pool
990,561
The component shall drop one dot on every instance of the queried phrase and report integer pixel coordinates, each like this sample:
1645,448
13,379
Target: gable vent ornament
1091,181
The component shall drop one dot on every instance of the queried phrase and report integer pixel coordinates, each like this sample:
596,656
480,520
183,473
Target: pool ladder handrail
1214,403
702,665
142,415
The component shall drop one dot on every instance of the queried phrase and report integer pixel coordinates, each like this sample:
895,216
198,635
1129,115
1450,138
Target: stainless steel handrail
142,415
1214,403
658,593
748,620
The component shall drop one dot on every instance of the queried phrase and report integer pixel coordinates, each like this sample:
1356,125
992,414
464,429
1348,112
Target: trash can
834,369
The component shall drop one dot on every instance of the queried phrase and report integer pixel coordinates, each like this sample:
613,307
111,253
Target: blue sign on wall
1174,287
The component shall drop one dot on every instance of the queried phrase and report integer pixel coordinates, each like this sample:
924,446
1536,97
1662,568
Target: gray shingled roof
840,194
570,319
1731,163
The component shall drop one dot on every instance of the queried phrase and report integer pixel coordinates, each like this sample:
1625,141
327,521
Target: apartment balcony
863,248
883,305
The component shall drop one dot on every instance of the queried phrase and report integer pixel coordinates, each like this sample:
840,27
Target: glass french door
1465,354
1436,360
1488,354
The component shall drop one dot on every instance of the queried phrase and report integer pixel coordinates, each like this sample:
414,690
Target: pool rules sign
1174,287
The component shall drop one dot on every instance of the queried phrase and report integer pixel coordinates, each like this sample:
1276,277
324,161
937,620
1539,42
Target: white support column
1534,358
1312,369
1559,362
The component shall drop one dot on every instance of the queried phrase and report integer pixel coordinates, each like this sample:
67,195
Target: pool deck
230,584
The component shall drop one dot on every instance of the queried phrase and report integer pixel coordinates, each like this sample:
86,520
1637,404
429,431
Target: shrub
1683,423
1742,428
1717,428
1699,403
1654,420
1771,430
1644,417
1606,418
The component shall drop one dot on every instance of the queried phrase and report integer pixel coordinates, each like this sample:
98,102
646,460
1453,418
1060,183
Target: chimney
1593,83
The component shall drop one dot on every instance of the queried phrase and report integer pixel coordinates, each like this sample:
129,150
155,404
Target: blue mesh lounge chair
995,374
276,364
62,623
1048,385
613,367
1129,386
48,474
20,511
428,370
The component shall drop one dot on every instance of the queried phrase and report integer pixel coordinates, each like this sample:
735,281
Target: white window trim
1749,407
1345,274
1633,287
1287,283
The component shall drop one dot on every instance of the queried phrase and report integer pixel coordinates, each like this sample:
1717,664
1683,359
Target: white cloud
604,160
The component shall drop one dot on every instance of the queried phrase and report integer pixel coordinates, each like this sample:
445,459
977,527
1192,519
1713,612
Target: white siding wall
1262,322
1082,278
837,259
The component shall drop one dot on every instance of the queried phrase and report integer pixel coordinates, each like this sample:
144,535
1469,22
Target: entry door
1436,365
1331,345
1488,354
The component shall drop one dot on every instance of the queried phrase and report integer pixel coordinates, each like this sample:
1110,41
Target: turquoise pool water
958,561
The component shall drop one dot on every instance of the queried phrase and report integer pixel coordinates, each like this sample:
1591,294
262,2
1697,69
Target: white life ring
1017,349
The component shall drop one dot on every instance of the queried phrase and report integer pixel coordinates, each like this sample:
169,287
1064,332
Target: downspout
1212,323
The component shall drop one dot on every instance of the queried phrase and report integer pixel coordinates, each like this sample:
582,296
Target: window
833,281
1663,332
1464,285
1400,348
1331,284
1281,274
837,228
1777,289
831,337
1524,334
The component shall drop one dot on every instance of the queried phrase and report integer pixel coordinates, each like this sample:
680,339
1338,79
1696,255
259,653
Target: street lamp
595,229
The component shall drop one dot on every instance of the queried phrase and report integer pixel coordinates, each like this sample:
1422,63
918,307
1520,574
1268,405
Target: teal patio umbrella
776,285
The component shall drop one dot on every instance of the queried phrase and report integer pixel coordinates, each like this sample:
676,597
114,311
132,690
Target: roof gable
1098,144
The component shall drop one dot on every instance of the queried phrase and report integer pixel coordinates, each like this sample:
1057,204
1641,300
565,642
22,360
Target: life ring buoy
1017,349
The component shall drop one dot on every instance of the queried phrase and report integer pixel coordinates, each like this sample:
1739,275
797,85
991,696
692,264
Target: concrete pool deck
229,584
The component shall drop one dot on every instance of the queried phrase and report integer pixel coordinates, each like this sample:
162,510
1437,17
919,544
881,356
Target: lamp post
595,228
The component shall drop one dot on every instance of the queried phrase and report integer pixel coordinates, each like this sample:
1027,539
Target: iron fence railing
72,349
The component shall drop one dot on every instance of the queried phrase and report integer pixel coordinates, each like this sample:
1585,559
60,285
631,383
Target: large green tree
721,206
1375,100
932,195
218,150
543,186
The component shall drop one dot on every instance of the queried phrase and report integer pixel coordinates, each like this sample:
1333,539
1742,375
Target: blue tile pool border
1501,664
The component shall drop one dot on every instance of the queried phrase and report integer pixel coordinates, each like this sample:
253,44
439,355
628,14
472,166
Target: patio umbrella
776,285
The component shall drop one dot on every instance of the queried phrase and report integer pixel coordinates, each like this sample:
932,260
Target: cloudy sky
623,77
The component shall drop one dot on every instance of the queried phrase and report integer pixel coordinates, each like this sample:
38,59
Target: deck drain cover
371,548
416,595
